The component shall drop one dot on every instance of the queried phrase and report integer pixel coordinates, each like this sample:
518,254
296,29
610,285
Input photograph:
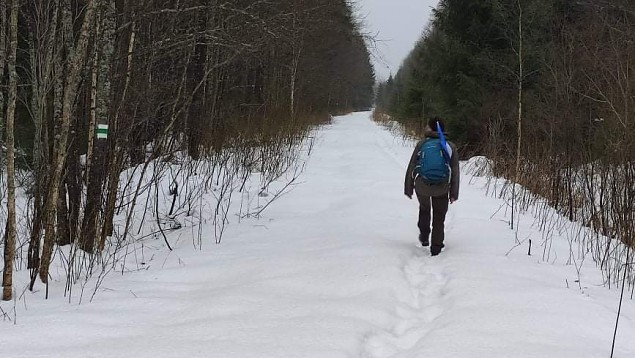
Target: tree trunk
3,59
104,95
99,104
53,82
117,153
93,183
63,226
10,233
61,139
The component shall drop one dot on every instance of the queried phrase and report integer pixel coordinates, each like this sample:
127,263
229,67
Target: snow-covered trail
333,270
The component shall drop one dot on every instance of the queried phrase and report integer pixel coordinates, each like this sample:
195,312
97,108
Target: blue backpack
432,165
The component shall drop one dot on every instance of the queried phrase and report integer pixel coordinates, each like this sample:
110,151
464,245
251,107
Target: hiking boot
435,250
424,240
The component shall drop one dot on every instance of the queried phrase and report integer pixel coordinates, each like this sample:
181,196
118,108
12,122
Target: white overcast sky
398,24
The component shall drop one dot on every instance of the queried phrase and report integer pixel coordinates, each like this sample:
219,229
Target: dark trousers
439,206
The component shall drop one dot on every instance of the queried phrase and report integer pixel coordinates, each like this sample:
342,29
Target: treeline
90,88
545,90
465,67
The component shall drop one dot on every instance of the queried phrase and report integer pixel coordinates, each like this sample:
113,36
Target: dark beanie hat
432,123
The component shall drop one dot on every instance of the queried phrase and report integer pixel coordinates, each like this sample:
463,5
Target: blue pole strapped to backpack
447,152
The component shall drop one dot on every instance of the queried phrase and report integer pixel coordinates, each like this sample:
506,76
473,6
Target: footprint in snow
416,312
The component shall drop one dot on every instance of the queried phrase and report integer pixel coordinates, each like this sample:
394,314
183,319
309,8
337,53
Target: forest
545,91
93,89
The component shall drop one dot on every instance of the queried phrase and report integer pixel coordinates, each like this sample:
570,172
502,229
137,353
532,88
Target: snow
332,269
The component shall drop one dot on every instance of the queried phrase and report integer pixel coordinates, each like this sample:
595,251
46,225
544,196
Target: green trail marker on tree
102,131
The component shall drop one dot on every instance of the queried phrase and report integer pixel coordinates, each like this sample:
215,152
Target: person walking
433,174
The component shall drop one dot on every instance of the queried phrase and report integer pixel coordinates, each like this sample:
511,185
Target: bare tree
10,232
3,58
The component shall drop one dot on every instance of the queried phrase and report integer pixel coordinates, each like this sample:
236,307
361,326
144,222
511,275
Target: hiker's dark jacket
414,182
